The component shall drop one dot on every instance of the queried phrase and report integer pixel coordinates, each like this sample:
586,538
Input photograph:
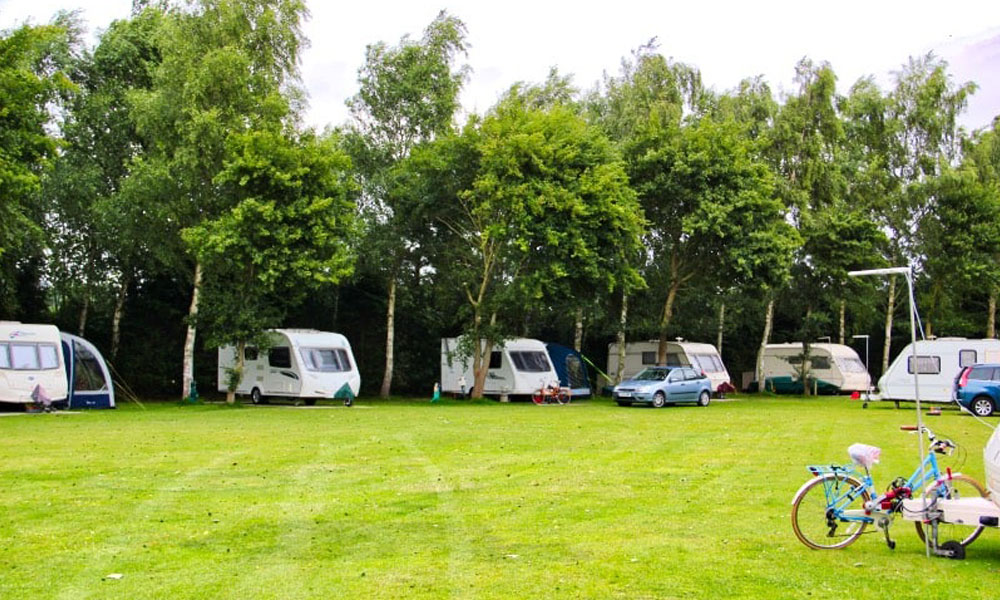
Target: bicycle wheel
814,514
959,486
538,397
562,397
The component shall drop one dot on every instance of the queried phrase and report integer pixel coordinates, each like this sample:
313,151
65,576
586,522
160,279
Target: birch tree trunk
991,316
622,321
768,321
192,330
390,333
722,325
116,319
481,363
843,320
578,334
83,314
890,309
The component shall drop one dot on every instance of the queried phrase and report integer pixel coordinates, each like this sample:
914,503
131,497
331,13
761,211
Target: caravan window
530,362
820,363
327,360
926,365
496,359
708,363
649,358
32,357
4,356
966,358
250,353
280,357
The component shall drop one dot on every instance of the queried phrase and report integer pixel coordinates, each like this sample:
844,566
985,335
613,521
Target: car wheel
659,400
983,406
704,398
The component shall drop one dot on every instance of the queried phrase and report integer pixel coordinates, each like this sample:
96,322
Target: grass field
464,500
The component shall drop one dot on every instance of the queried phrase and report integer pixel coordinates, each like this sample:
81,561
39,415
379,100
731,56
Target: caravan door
282,378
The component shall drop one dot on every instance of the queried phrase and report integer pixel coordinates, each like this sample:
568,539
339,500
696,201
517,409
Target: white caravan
301,363
834,369
30,356
938,362
639,355
517,368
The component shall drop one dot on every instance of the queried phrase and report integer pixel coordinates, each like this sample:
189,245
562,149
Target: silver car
665,385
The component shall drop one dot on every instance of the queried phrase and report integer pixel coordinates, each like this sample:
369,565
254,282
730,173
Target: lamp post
908,272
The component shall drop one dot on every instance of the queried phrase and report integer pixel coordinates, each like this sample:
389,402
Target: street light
828,339
908,272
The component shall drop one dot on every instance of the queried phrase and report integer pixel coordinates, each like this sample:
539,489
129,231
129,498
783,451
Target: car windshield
652,375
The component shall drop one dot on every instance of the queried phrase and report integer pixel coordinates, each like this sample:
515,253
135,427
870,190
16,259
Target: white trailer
31,356
519,367
639,355
833,369
938,362
301,363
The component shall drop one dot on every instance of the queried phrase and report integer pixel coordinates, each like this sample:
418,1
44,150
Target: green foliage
34,77
291,231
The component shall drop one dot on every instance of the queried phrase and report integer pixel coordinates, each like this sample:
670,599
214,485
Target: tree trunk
481,363
843,320
768,322
722,326
83,314
890,309
390,332
241,348
192,330
116,320
991,317
578,334
668,312
622,321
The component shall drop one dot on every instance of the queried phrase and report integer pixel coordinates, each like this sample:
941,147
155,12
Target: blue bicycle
837,505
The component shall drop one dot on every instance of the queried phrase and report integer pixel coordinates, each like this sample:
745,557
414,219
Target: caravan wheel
256,397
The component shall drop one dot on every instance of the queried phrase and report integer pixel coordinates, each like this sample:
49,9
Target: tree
228,67
34,74
100,239
290,231
409,94
547,196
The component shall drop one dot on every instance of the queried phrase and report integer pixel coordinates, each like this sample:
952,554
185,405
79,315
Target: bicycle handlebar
908,427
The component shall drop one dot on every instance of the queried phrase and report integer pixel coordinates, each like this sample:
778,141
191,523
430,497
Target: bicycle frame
925,473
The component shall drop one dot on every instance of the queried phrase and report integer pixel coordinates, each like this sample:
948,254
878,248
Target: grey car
659,386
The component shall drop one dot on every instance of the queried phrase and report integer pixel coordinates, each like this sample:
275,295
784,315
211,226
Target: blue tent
88,376
571,369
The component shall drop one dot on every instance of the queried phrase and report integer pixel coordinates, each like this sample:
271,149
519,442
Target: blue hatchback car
664,385
977,388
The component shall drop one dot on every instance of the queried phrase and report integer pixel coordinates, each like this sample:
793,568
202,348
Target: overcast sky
518,40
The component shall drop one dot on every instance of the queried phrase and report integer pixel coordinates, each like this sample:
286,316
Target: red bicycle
551,394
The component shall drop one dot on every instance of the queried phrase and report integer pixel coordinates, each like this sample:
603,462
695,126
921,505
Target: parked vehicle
833,369
660,386
517,368
977,388
301,363
30,357
703,357
938,361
